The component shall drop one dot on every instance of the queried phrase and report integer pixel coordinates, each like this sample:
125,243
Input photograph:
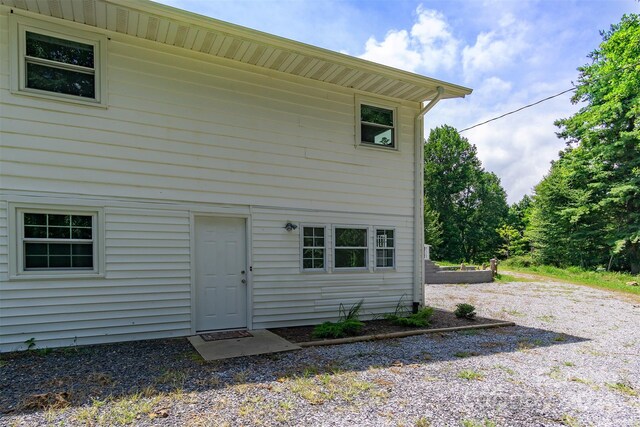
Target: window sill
351,270
58,276
34,93
378,147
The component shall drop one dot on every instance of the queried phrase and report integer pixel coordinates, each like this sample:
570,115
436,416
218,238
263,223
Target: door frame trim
192,257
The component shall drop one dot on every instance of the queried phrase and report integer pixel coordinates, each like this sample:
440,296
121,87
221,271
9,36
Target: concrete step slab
261,342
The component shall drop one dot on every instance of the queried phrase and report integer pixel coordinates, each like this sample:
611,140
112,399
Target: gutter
418,220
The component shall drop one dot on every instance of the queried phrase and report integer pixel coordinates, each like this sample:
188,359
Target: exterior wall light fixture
290,226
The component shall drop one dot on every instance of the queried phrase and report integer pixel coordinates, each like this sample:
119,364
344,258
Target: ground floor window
56,241
385,248
313,248
351,247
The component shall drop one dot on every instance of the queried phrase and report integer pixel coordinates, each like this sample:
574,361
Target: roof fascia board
451,90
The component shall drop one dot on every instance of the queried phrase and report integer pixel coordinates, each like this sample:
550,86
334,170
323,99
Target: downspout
418,264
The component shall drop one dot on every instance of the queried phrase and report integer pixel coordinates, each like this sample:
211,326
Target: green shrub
419,319
465,311
340,329
347,324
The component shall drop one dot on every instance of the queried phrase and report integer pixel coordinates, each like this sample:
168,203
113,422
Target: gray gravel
573,359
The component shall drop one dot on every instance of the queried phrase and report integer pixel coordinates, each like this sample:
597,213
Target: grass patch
526,344
322,388
471,375
475,423
505,369
506,278
622,388
465,354
172,378
568,420
117,412
597,279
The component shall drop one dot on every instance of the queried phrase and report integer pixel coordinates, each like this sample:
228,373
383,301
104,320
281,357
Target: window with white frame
59,62
57,241
313,248
351,247
385,248
377,126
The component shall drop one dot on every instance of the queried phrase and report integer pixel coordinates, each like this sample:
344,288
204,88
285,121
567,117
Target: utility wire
519,109
615,70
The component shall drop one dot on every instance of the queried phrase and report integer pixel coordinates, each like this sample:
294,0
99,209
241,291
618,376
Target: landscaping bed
440,319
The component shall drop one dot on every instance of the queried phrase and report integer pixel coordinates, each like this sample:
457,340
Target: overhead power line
519,109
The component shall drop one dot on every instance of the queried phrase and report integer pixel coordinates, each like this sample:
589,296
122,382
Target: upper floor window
377,126
57,65
56,62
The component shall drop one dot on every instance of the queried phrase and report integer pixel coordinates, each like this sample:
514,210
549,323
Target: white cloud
428,47
395,50
493,87
495,49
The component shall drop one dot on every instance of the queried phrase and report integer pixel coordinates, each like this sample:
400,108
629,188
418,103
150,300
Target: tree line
585,212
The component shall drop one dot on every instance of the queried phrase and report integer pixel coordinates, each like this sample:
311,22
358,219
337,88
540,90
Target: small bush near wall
465,311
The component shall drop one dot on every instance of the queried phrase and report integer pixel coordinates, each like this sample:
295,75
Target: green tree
513,232
470,202
600,169
566,225
432,226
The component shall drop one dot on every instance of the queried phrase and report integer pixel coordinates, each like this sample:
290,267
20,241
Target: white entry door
221,290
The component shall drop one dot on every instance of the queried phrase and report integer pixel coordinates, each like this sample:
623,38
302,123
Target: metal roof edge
451,89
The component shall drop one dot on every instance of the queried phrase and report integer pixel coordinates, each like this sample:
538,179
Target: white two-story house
163,173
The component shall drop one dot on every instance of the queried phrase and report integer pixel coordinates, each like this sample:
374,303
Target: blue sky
511,52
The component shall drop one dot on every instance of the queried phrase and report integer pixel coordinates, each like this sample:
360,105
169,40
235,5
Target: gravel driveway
573,359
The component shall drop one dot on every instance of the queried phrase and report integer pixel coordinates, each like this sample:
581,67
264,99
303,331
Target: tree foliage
467,203
514,231
587,209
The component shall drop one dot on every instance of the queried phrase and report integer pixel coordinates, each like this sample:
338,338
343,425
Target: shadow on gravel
65,378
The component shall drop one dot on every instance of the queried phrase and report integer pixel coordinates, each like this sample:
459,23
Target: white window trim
19,25
359,101
367,258
16,233
395,248
326,249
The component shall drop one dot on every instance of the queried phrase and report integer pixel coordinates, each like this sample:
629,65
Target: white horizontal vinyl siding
146,291
285,296
190,132
4,243
182,129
